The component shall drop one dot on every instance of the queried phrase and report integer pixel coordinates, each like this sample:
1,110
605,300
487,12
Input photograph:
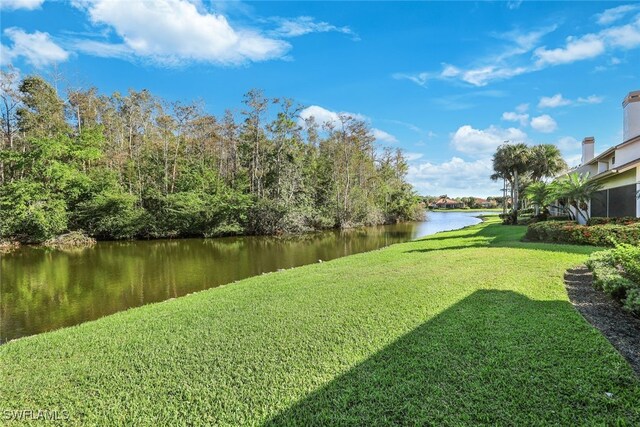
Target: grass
465,327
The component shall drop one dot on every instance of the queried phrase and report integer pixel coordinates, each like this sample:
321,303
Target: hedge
617,272
625,220
596,235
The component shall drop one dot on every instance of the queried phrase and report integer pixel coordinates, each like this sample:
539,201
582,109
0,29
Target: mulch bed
621,328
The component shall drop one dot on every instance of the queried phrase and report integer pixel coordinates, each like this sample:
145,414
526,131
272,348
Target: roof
631,97
604,154
444,201
608,151
621,168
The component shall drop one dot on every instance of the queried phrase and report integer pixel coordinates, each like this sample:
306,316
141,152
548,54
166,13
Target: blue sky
446,82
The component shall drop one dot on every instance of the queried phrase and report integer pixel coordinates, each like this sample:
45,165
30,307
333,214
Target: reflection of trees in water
44,289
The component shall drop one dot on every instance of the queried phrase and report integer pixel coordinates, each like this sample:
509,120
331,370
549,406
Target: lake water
43,290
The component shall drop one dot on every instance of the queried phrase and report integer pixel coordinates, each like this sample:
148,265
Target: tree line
136,166
470,201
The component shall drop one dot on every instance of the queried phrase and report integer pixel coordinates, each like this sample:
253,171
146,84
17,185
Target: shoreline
9,245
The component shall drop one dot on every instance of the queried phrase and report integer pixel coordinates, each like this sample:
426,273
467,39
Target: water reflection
42,290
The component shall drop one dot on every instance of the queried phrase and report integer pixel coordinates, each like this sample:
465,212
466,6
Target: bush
266,217
617,272
69,241
596,235
559,218
625,220
628,257
111,215
30,214
509,218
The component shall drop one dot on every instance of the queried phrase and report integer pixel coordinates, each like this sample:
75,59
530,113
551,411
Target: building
444,203
617,169
484,203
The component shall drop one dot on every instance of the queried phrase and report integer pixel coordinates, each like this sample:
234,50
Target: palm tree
545,162
539,193
509,162
577,189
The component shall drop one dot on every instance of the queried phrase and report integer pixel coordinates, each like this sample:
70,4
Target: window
614,202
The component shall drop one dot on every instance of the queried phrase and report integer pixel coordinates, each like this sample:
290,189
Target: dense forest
137,166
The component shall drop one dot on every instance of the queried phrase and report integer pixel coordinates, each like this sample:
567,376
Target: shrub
625,220
596,235
70,241
266,217
30,213
111,215
509,218
559,218
616,272
628,257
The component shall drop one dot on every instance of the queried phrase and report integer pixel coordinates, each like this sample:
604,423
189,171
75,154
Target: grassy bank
465,327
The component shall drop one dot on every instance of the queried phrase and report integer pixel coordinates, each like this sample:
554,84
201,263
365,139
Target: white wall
628,153
591,169
631,121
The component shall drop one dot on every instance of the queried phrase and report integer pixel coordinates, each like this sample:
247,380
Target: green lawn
467,327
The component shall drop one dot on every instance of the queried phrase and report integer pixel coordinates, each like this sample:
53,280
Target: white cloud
522,108
323,116
568,144
544,123
483,75
609,16
37,48
591,99
475,141
412,157
511,116
554,101
487,70
455,177
383,136
558,100
104,50
305,25
575,49
625,36
514,59
592,45
420,79
478,76
20,4
513,4
573,160
174,31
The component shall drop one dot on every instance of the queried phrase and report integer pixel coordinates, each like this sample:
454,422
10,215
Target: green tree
545,161
540,195
510,162
578,190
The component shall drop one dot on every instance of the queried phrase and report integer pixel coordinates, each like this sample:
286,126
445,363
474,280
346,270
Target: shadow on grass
494,357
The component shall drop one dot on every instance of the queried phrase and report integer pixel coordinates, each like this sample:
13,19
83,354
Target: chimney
631,111
588,146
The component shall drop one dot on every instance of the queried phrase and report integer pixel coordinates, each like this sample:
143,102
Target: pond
42,290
